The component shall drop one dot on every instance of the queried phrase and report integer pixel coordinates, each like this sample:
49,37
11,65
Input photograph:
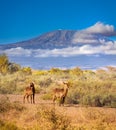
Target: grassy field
43,115
90,103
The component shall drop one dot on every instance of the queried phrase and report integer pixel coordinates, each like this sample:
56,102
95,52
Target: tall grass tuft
6,105
8,126
51,119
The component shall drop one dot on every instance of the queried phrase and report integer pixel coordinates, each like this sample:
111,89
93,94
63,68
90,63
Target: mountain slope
63,49
50,40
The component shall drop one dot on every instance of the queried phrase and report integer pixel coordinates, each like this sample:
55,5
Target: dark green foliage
12,67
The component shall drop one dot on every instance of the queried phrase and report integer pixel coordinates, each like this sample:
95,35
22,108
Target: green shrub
72,97
109,100
45,82
26,70
98,93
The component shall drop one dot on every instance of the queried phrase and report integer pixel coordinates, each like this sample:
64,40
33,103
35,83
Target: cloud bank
108,48
94,34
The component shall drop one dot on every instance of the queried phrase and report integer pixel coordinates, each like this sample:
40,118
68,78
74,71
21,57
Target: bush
6,105
98,93
12,68
4,61
45,82
72,97
26,70
54,120
8,87
8,126
47,96
109,100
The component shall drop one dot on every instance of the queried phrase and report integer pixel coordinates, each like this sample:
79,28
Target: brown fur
29,92
60,93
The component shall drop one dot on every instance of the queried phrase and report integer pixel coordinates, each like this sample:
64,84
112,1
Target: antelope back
28,90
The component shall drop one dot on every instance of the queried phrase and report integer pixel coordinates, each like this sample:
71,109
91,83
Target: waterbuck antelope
61,93
29,92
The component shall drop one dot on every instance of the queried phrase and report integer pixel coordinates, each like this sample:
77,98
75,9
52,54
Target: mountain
63,49
50,40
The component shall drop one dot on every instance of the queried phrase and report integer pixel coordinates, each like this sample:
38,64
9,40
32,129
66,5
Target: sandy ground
76,113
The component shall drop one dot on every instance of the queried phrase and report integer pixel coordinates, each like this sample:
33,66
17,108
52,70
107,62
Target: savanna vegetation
91,95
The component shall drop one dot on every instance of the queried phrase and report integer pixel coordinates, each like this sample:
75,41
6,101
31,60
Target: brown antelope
29,92
60,93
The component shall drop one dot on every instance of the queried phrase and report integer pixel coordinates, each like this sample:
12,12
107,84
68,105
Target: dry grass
45,116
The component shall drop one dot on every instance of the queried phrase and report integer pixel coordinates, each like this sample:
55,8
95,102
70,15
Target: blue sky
24,19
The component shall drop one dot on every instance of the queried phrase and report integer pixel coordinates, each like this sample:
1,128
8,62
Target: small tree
76,71
55,71
3,64
26,70
13,67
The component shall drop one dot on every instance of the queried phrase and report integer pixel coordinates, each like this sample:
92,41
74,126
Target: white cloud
84,37
94,34
101,28
87,49
17,52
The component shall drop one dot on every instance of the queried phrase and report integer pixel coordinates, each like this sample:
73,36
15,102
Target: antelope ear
64,82
32,83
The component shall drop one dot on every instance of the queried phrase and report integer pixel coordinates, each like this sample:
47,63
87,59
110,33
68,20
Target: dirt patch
78,115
